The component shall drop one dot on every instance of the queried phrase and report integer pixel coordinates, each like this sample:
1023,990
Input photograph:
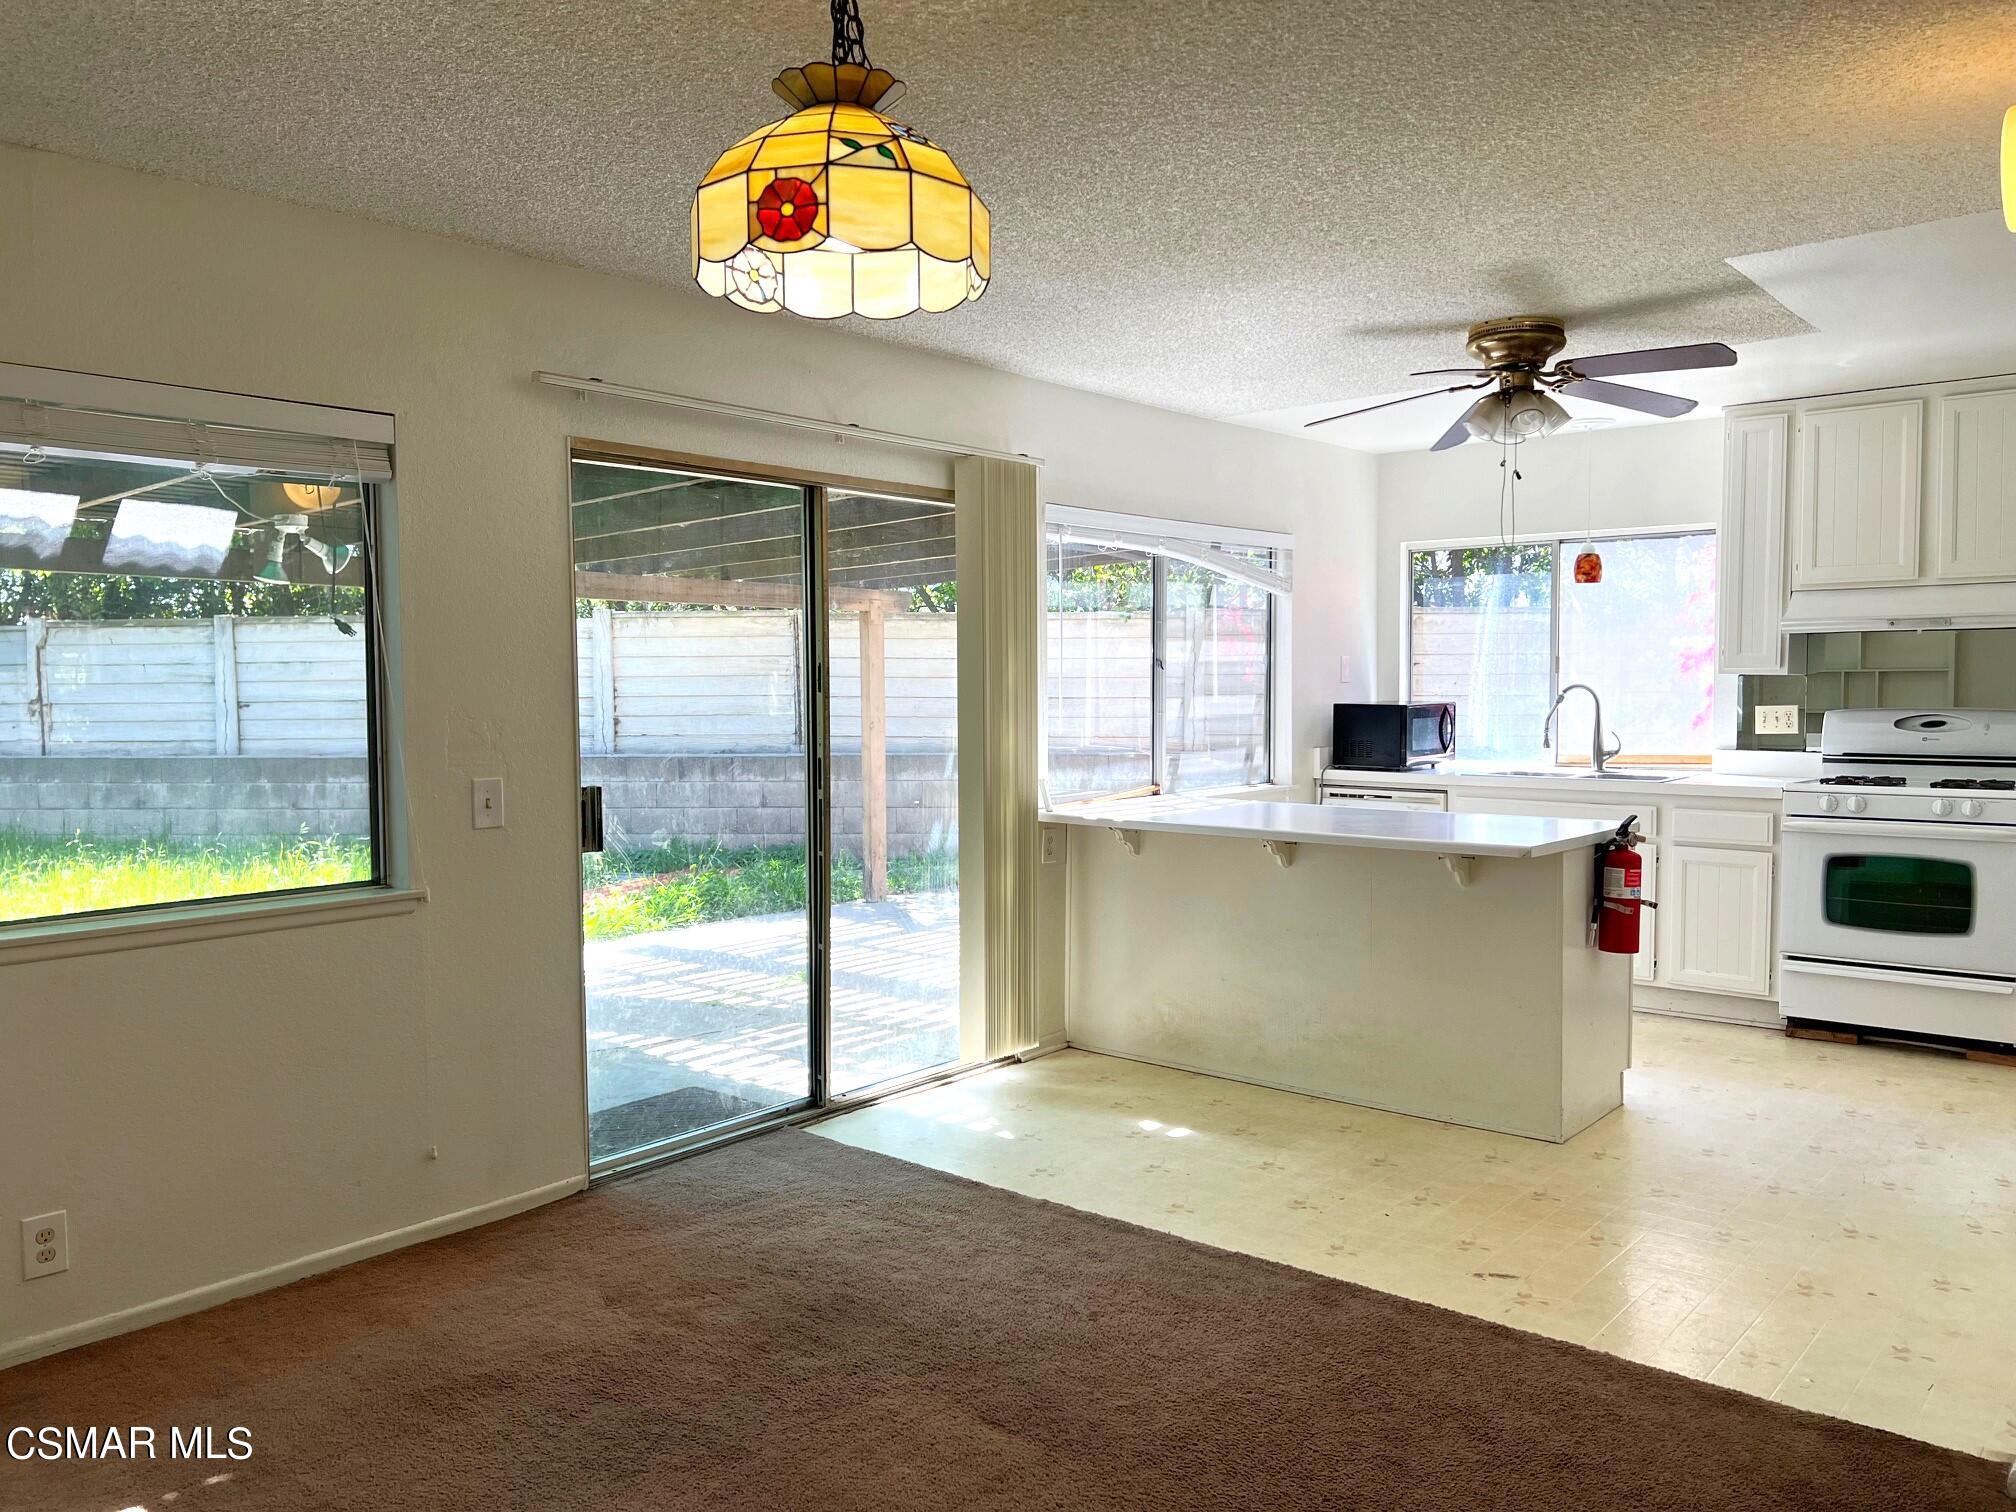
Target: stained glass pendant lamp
836,209
2009,168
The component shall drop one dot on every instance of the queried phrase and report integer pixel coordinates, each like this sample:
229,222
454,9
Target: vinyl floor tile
1833,1226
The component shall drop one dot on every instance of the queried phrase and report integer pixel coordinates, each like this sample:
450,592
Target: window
187,662
1161,665
1499,628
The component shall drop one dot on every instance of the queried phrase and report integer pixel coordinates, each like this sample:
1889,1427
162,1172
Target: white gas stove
1897,908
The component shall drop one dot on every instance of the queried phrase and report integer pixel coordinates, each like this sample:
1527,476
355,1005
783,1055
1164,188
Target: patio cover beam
636,588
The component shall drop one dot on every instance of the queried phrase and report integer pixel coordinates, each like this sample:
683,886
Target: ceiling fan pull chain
849,46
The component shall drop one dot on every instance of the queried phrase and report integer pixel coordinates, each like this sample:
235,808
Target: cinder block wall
737,800
184,797
746,800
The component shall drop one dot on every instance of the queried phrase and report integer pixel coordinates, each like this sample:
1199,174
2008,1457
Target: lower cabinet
1718,912
1645,965
1708,865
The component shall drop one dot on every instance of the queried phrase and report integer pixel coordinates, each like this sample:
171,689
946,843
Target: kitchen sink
1585,776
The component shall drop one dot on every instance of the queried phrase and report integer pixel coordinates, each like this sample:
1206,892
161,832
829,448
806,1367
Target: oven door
1899,894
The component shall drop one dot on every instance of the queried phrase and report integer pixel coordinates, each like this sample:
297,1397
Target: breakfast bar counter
1423,962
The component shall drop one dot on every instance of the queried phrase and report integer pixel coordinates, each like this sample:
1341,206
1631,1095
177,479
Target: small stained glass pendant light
1588,561
836,209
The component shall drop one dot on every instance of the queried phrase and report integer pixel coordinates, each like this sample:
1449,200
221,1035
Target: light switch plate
45,1245
486,802
1777,719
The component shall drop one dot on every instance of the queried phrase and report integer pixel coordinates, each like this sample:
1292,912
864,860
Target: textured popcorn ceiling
1209,207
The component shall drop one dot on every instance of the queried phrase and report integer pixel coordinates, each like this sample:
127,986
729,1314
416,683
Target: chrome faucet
1599,756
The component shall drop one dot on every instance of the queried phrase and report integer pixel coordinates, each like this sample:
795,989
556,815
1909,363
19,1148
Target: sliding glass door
894,615
767,678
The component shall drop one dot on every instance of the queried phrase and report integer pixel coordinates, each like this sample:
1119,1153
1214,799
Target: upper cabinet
1843,511
1857,518
1974,523
1750,597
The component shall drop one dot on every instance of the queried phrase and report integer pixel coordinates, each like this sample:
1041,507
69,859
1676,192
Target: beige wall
212,1110
1626,478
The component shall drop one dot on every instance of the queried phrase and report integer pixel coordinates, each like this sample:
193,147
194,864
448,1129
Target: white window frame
1558,540
1191,541
395,891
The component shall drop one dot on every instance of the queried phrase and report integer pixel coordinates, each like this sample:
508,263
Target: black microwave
1393,736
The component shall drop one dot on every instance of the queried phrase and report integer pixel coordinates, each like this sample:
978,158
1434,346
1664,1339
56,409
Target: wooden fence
219,687
1462,655
651,683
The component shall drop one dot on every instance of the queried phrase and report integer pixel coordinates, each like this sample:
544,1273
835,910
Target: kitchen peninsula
1422,962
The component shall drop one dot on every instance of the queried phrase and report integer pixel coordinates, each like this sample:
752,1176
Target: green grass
682,883
625,893
45,876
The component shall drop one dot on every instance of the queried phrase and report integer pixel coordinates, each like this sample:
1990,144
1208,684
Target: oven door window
1916,895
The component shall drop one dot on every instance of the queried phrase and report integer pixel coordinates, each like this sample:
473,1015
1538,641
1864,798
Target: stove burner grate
1862,782
1979,784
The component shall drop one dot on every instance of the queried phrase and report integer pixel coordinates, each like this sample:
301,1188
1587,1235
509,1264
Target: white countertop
1458,774
1427,830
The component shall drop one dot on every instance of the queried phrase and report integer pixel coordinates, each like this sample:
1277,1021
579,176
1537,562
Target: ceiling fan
1512,362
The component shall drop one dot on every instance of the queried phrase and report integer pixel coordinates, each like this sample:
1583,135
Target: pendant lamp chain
849,46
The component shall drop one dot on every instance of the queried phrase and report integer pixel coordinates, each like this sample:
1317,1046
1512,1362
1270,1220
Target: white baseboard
1716,1007
160,1311
1050,1044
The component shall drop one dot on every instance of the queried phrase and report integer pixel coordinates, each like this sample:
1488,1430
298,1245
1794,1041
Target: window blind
27,422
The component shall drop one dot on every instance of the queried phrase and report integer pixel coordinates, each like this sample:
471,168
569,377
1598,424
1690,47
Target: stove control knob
1857,805
1972,808
1829,803
1942,806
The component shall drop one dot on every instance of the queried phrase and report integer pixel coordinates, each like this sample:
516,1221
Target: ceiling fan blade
1625,397
1440,372
1389,403
1456,435
1673,359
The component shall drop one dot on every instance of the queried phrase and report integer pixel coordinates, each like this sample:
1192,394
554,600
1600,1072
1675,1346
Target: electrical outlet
45,1245
1777,719
486,803
1053,844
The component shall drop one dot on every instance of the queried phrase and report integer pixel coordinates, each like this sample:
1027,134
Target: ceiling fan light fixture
1517,414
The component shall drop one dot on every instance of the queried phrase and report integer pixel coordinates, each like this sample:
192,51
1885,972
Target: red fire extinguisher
1620,876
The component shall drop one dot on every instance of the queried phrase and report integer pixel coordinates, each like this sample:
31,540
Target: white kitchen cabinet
1645,965
1718,907
1974,511
1756,455
1857,515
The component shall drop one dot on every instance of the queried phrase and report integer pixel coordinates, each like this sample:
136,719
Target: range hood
1940,606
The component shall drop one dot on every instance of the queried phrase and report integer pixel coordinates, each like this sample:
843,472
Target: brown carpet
792,1323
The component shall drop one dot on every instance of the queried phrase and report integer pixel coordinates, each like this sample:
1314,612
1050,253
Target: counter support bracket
1131,838
1459,868
1283,852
